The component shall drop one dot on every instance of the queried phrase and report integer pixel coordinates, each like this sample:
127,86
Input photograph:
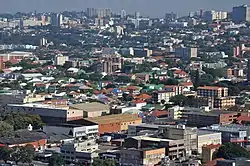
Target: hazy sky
146,7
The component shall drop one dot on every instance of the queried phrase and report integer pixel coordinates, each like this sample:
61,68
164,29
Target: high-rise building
43,17
100,13
137,14
91,12
241,13
186,52
111,61
170,16
43,42
214,15
56,19
248,70
123,14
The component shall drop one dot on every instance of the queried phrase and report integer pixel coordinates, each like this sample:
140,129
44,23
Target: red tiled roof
158,113
143,96
132,88
187,83
243,118
138,101
180,72
40,84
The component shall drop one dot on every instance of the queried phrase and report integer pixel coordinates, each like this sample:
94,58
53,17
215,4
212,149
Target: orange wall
116,127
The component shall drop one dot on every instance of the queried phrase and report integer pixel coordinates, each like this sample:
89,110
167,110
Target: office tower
123,14
59,19
186,53
137,14
43,42
56,19
103,13
248,69
241,13
210,15
170,16
91,12
21,24
43,17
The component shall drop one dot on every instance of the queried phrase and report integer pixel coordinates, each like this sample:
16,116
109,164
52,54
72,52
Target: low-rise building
48,113
206,138
173,148
73,128
159,96
208,151
115,123
25,137
224,102
178,132
19,97
141,157
206,118
212,91
231,133
91,110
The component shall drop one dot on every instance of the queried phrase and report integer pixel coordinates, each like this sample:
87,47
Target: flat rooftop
152,139
81,122
39,105
90,107
228,128
205,132
114,118
145,125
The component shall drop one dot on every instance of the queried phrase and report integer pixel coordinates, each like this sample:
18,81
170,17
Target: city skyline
146,7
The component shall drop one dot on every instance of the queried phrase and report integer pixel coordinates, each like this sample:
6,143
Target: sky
152,8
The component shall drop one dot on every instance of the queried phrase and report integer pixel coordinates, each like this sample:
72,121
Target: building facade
212,91
141,157
186,53
159,96
241,13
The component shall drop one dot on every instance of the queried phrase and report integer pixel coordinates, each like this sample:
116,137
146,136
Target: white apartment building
60,59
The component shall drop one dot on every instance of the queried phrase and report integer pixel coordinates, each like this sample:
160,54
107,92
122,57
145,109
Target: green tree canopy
56,160
230,151
178,100
5,153
6,129
27,153
22,120
104,162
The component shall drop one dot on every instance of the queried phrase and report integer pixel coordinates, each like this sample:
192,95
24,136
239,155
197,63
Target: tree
27,153
104,162
178,100
5,153
16,155
206,79
8,64
56,160
22,120
170,81
6,129
231,150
